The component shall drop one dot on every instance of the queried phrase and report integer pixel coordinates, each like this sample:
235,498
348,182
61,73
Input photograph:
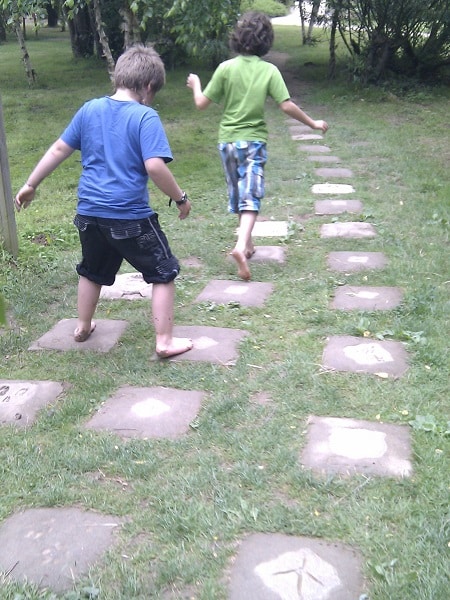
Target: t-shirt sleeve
214,91
72,134
277,87
153,138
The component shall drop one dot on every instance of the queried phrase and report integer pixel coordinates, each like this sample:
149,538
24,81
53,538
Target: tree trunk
129,29
312,19
301,8
31,73
332,47
81,36
52,15
2,26
103,39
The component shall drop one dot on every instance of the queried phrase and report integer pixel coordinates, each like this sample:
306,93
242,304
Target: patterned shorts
243,163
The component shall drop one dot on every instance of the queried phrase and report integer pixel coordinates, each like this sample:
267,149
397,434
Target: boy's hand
24,197
193,81
322,125
184,210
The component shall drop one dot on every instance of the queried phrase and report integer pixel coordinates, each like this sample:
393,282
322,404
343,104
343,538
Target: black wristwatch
183,200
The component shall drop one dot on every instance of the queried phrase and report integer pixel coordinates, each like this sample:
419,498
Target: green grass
188,502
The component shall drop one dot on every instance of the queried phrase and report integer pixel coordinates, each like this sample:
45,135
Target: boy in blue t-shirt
122,144
242,84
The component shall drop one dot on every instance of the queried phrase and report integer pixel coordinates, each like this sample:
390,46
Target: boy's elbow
286,106
202,102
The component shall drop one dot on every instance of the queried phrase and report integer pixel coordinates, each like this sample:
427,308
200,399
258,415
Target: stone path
55,547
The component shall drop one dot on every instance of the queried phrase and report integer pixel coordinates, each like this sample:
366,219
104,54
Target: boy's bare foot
249,252
177,346
81,335
241,259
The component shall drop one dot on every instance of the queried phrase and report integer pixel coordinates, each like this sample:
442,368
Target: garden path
265,564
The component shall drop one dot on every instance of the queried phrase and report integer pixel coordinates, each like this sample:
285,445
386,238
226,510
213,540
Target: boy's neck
125,95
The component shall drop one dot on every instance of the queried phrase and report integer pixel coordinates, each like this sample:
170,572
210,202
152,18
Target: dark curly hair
252,35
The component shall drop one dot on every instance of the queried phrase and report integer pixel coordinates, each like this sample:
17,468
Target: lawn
188,503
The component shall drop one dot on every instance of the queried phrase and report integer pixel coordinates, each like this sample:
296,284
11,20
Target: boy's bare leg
88,295
163,296
244,246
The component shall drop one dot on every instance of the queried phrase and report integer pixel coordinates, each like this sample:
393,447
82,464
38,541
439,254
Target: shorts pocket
258,182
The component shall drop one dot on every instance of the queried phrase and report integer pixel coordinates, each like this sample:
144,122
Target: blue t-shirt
115,138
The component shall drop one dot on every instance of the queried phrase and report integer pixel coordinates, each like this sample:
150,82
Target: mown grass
187,503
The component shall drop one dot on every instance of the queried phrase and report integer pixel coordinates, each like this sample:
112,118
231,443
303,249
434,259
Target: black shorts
105,243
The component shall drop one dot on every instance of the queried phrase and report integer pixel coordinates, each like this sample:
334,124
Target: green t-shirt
242,84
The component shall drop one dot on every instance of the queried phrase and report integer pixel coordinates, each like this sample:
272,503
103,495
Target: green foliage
410,38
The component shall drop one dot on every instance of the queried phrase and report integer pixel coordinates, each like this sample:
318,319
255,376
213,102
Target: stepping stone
361,355
317,149
347,230
298,129
211,344
306,136
267,254
152,412
332,188
356,261
270,229
352,297
323,158
273,565
348,446
60,337
245,293
336,207
127,286
333,172
20,401
54,547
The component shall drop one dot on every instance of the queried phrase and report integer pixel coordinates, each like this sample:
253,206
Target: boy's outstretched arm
292,110
164,180
200,100
55,155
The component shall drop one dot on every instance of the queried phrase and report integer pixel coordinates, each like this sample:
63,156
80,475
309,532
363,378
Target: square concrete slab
298,137
362,355
356,261
245,293
21,400
338,172
332,188
336,207
324,158
316,149
270,229
271,566
352,297
348,230
298,129
127,286
153,412
60,337
211,344
54,547
349,446
265,254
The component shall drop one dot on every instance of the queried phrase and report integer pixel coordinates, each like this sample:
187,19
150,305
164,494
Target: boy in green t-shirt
242,84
